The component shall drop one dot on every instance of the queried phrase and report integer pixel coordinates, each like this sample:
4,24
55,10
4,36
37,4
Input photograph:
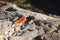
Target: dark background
48,6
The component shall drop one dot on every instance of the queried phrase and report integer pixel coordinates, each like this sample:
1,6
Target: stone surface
36,27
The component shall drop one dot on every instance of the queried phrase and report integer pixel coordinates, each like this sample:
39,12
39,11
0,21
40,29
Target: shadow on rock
37,38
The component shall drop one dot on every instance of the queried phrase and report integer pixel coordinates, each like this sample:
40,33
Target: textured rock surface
36,27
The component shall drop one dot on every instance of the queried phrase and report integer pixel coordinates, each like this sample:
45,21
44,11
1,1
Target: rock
37,26
52,36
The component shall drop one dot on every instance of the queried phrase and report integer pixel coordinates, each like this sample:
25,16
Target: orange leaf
20,20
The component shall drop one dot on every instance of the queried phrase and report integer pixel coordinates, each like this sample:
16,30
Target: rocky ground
37,26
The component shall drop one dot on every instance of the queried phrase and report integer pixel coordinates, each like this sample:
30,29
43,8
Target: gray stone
28,30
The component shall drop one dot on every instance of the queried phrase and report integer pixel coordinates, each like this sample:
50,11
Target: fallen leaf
20,21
